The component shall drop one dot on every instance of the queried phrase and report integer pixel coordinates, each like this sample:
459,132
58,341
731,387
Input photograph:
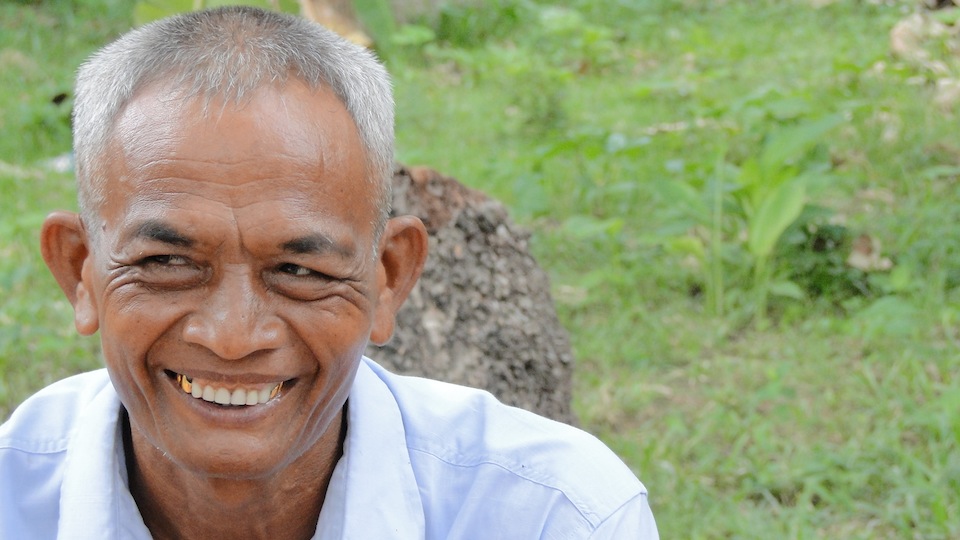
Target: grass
837,418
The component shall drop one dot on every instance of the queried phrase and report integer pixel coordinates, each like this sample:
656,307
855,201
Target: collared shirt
422,459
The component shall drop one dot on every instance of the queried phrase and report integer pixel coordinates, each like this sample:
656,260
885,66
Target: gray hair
228,53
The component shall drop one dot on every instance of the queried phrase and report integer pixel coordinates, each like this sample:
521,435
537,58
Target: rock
482,314
910,38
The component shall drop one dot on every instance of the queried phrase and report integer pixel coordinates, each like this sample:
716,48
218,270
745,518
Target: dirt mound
481,314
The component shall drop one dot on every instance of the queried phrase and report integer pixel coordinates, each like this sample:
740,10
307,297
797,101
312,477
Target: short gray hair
229,52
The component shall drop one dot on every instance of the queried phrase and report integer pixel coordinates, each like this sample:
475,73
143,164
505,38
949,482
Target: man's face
236,258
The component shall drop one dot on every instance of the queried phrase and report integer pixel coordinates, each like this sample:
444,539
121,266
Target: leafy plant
815,253
772,192
750,205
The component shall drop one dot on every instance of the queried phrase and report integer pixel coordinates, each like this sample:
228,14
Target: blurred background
748,210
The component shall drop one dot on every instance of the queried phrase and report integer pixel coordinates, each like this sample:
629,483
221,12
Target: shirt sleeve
633,521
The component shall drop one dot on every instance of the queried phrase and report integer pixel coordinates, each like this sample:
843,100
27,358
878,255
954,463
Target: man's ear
65,248
403,251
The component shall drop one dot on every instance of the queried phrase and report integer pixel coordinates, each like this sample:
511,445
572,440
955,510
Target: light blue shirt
422,459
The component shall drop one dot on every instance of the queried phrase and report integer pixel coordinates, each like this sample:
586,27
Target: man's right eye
166,260
169,271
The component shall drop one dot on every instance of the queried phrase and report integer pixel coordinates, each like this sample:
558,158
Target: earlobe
85,307
65,249
403,252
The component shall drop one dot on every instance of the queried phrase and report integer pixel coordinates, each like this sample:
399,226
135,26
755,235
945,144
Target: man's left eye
295,270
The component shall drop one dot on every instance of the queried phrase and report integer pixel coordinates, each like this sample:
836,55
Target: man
234,252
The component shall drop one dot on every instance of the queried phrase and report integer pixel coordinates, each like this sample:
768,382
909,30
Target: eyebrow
311,244
159,231
315,244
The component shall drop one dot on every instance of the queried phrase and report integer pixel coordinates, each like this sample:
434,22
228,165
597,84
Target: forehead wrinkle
168,129
210,171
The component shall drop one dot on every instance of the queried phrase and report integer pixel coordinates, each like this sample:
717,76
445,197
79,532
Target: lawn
748,211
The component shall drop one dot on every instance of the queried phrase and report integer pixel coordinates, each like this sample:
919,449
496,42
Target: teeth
222,396
238,397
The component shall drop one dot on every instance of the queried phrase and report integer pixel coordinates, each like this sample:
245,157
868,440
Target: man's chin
228,462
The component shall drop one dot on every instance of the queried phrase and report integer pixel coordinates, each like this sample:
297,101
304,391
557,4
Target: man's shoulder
44,422
468,430
34,447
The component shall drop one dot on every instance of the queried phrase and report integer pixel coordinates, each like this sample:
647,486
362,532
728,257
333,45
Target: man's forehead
292,144
161,123
158,103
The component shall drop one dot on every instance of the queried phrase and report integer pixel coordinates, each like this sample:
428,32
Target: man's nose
234,320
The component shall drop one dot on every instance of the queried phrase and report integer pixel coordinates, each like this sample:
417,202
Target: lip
214,415
229,381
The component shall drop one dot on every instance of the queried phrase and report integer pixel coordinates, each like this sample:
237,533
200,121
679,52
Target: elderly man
234,252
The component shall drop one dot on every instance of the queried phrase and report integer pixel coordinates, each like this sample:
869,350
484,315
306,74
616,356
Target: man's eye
167,260
295,270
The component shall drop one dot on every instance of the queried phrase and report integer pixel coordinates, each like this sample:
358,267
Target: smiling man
233,251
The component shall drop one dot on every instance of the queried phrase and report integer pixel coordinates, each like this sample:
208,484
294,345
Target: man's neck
179,504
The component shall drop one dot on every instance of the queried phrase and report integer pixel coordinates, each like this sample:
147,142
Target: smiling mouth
250,396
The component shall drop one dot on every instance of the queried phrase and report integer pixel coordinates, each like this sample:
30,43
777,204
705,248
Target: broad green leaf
762,185
749,174
748,186
793,142
777,211
787,289
687,245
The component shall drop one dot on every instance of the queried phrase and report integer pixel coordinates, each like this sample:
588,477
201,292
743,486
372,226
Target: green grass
41,45
837,417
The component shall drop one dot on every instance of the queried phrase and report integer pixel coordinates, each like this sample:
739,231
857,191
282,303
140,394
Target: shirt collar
373,492
95,500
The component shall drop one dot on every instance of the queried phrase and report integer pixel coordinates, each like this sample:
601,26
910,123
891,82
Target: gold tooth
184,383
276,390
